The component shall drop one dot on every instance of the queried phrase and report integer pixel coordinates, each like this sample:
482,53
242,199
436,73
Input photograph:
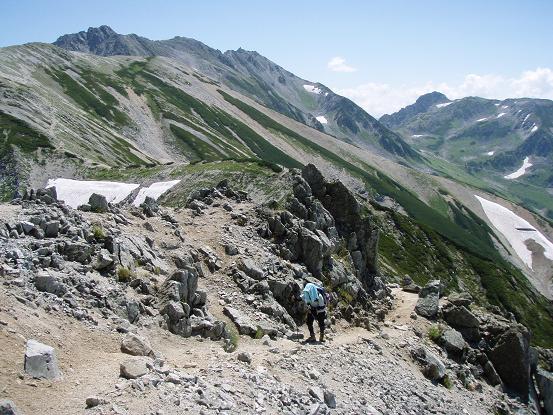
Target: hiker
315,298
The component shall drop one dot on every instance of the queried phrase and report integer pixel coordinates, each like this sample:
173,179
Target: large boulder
98,203
49,283
428,306
136,345
40,360
460,317
453,342
244,324
544,380
511,359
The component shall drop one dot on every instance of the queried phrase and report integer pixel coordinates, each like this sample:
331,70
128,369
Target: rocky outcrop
321,217
432,367
544,381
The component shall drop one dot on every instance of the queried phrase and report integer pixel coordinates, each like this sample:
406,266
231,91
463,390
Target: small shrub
259,333
448,383
233,338
434,333
98,232
124,274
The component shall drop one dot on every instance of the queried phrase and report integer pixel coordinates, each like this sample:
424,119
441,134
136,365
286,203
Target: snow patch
534,129
77,192
445,104
418,135
482,119
505,107
501,114
490,153
497,105
313,89
322,119
155,190
525,166
509,224
525,118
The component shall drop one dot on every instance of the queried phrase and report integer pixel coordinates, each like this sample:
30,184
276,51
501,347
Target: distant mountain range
508,143
257,77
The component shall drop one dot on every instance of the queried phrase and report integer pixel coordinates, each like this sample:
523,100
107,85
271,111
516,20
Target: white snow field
155,190
501,114
313,89
322,119
525,166
77,192
445,104
516,230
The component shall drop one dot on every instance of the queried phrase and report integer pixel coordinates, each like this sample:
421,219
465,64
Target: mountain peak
431,98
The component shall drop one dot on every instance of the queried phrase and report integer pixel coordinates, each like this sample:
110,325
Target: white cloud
338,64
378,99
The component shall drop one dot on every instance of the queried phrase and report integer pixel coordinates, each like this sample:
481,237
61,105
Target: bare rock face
545,385
40,361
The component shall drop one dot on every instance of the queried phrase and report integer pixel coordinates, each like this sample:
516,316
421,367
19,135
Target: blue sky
388,51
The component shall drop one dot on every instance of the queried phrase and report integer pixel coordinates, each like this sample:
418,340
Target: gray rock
545,385
174,310
428,306
136,345
52,229
460,317
78,252
103,260
7,407
511,359
432,367
244,324
98,203
330,399
244,357
453,342
433,287
317,393
251,269
93,401
40,360
134,367
48,283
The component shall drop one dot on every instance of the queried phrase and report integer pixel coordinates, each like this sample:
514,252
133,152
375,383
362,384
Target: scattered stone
135,345
40,360
244,357
432,367
93,401
134,367
317,393
453,342
330,399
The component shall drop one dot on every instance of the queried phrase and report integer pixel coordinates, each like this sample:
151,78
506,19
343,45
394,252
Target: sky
383,55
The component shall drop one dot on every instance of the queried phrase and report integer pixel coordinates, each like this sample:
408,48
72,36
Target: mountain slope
257,77
72,115
491,139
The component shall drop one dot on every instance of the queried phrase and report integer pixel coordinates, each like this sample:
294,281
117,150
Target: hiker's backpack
324,294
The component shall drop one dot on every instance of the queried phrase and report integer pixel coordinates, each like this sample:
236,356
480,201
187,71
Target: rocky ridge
224,274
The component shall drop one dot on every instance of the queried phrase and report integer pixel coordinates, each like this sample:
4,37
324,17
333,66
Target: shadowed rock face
357,230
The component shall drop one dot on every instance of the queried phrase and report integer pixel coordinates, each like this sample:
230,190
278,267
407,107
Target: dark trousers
320,317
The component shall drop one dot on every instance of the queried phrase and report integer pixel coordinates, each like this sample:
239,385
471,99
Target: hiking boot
322,338
311,339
